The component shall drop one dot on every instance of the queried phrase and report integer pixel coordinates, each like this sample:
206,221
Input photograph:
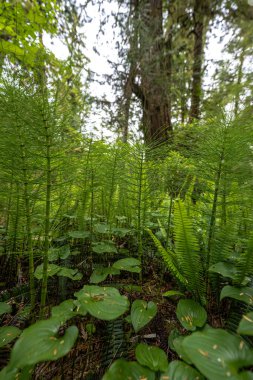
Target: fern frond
168,258
245,263
187,251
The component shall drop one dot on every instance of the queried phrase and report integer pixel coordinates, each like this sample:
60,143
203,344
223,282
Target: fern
169,259
187,251
245,263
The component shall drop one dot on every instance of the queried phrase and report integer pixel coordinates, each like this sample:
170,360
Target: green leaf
104,247
40,342
122,370
243,294
64,311
178,346
102,302
52,269
151,357
225,269
101,228
173,335
179,370
4,308
79,234
120,231
142,313
218,354
246,325
7,334
191,314
129,264
61,253
73,274
8,373
169,258
101,273
172,293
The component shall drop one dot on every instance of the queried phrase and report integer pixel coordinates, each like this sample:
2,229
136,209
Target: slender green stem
47,220
28,227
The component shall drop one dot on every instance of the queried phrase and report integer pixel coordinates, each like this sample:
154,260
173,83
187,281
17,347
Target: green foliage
169,258
7,334
20,24
243,294
142,313
40,342
151,357
185,261
4,308
180,350
225,269
104,247
121,370
172,293
61,253
246,325
190,314
53,269
187,252
129,264
101,302
178,370
100,274
218,354
64,311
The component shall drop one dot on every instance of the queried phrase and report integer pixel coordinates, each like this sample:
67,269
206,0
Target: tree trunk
151,80
201,10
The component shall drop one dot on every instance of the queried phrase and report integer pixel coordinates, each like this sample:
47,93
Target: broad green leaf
173,335
8,373
191,314
79,234
104,247
179,370
225,269
73,274
120,231
102,302
66,310
59,253
122,370
142,313
218,354
101,228
7,334
171,293
128,319
151,357
52,269
4,308
129,264
40,342
100,274
178,346
246,325
244,294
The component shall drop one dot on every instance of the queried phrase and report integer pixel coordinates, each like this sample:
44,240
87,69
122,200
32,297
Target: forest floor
95,351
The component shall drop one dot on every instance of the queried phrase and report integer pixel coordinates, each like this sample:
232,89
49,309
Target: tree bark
201,10
150,71
154,73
